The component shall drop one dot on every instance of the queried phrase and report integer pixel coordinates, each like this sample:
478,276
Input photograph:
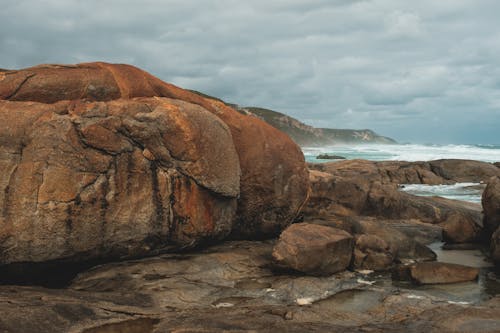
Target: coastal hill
306,135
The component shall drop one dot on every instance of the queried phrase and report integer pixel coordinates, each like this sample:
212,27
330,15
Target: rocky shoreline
148,208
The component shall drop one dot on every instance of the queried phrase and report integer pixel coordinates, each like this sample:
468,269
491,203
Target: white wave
460,191
409,152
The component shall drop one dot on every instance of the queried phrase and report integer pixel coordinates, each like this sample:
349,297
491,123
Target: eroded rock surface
113,179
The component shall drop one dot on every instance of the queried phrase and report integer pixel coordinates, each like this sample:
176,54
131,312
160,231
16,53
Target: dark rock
495,247
330,157
313,249
462,246
491,205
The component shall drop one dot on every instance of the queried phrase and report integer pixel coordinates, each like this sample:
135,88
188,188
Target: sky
422,71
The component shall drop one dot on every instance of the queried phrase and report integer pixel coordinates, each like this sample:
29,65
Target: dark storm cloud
421,71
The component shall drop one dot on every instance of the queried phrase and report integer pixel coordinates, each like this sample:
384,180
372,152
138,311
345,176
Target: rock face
313,249
105,161
439,272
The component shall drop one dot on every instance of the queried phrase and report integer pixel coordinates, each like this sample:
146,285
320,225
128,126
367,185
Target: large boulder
104,161
111,179
313,249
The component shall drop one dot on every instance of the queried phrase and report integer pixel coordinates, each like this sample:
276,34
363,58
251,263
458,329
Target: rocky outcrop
351,188
313,249
106,161
438,273
436,172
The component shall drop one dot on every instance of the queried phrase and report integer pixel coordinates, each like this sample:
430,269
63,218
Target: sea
470,192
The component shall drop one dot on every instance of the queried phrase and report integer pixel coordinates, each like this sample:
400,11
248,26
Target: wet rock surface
231,287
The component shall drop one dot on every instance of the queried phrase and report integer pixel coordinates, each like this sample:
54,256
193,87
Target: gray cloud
418,71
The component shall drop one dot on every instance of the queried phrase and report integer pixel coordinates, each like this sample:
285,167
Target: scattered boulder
313,249
329,157
491,205
436,273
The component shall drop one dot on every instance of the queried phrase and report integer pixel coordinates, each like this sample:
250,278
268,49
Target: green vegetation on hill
305,135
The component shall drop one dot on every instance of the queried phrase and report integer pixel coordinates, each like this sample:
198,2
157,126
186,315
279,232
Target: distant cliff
305,135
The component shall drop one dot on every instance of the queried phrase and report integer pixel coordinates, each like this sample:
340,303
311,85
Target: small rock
313,249
329,157
440,272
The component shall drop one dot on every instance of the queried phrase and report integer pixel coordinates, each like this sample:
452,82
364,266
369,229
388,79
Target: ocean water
470,192
418,152
407,152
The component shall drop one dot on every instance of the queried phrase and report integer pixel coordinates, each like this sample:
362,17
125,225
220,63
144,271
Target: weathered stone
313,249
274,182
439,272
79,187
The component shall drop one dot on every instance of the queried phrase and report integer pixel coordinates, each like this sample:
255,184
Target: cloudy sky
418,71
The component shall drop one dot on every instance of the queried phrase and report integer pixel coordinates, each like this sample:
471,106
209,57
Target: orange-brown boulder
107,160
112,179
